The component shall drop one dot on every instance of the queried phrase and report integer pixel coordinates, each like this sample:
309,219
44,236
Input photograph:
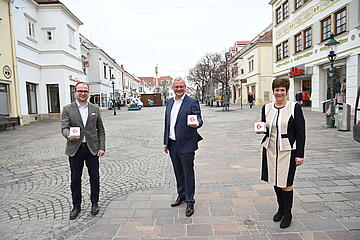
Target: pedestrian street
137,182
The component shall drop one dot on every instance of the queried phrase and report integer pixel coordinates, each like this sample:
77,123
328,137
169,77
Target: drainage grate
249,222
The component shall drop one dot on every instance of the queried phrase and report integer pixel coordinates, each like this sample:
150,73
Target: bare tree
206,73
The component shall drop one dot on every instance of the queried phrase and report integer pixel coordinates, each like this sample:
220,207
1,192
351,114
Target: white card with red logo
192,119
260,127
74,132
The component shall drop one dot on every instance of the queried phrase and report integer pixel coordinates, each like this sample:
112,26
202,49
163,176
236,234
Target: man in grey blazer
87,147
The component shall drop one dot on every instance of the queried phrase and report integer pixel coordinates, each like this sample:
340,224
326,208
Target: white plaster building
251,70
301,30
48,57
101,70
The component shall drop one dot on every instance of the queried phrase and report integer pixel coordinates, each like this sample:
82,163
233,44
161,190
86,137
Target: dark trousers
183,164
76,167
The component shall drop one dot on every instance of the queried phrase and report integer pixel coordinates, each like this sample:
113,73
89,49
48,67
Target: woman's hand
299,161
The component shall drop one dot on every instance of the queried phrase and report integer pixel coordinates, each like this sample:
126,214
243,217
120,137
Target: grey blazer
94,130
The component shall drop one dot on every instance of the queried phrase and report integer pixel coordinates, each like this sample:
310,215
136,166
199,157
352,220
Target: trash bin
326,111
344,111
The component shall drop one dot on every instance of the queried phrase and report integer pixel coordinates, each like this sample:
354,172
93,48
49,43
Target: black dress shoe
95,209
75,212
177,202
189,210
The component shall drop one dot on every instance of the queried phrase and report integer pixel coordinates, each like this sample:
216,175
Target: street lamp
113,85
332,46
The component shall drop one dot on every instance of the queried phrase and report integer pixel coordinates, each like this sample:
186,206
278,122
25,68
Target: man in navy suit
181,141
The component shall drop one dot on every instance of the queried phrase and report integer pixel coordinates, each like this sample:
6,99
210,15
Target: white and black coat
283,141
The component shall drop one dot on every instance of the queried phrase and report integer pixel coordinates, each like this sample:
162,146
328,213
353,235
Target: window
278,52
251,65
285,49
325,28
340,21
71,36
105,71
298,43
53,98
31,98
307,38
285,7
72,93
30,26
278,15
298,4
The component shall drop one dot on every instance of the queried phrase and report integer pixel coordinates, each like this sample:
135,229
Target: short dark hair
281,82
81,83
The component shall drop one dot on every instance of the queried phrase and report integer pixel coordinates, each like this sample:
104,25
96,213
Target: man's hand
73,138
165,149
193,125
101,153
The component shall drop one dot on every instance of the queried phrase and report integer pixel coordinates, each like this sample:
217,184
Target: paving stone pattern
137,183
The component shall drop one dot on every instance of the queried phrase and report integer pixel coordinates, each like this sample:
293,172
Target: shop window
72,93
4,98
31,98
340,21
53,98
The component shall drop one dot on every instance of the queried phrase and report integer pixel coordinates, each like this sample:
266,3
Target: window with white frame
48,34
298,42
30,26
326,28
285,7
340,21
285,49
71,33
307,38
278,52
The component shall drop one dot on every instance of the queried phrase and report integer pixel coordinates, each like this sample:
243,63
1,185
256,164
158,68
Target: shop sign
74,79
7,71
297,71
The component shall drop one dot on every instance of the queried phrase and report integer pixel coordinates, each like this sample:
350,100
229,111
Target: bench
4,122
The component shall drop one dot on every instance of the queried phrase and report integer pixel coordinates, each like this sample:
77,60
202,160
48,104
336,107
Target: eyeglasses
82,91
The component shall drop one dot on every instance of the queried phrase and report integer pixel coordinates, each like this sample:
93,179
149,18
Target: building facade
104,75
48,57
301,30
251,71
9,88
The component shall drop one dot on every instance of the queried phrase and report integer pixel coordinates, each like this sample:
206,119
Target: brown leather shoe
189,210
177,202
75,212
95,209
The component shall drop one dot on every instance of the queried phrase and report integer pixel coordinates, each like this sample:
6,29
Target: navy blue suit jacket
186,136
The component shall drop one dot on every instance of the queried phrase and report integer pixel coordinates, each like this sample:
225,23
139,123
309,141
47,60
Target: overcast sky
174,34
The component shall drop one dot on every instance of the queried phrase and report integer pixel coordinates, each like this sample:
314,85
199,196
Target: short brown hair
81,83
281,82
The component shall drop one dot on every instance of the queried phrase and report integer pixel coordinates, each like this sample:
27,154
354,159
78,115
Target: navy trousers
183,164
76,167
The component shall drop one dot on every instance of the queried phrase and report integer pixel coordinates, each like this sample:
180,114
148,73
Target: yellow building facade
9,104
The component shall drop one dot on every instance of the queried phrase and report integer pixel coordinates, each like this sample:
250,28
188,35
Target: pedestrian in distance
250,99
182,119
283,147
85,147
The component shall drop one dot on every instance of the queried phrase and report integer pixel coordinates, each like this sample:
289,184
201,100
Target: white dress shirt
84,112
173,116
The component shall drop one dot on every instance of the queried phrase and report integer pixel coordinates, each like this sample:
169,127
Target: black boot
278,216
287,197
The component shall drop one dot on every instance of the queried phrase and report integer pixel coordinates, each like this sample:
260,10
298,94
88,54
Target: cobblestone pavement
34,172
138,184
